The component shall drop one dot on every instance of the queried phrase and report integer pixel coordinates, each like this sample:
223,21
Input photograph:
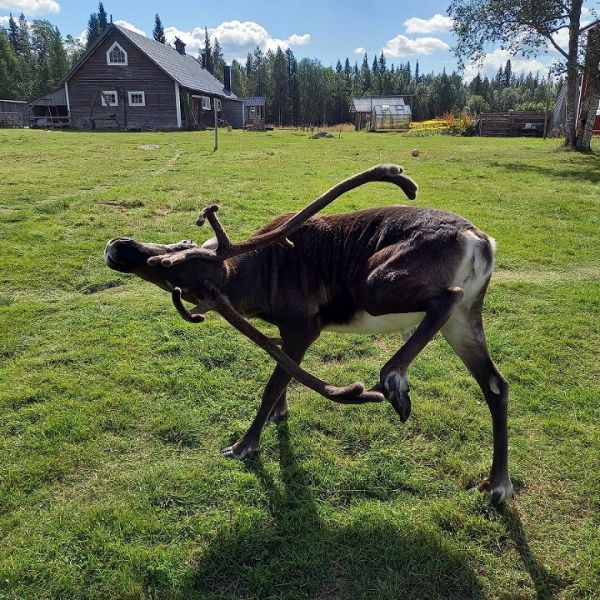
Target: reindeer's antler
353,393
226,249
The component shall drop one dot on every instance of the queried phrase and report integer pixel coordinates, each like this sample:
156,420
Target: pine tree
102,17
93,29
375,67
293,90
218,61
508,73
207,58
158,33
382,63
13,33
365,75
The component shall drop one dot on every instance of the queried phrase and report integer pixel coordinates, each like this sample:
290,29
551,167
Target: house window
137,98
110,98
116,56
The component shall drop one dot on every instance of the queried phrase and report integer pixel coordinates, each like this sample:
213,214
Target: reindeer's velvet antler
226,249
353,393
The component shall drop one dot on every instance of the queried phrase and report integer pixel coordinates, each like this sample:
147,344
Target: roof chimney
227,78
179,46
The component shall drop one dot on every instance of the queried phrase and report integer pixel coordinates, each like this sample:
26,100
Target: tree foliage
158,33
33,59
527,27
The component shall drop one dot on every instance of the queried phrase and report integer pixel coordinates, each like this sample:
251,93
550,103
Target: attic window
116,56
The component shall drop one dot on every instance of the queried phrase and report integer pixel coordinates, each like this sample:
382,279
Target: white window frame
205,103
134,104
113,64
103,97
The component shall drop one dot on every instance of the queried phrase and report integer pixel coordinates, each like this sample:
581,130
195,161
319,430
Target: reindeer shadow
546,584
297,551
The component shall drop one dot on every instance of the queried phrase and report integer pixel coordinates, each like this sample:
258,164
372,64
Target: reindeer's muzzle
122,254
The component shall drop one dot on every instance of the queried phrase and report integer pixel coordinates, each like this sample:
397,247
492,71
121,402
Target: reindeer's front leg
294,343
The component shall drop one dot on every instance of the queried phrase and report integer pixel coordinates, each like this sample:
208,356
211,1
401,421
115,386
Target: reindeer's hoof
240,451
498,491
396,391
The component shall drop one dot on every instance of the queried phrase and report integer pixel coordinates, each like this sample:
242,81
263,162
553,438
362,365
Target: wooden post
216,126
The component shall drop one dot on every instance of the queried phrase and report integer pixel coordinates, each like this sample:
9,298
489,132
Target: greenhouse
382,113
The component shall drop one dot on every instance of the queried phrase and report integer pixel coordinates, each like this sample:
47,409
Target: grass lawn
113,409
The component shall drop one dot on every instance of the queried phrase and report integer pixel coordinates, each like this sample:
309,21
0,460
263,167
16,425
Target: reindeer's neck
248,283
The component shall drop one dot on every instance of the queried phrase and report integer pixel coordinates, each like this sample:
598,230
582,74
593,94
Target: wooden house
128,81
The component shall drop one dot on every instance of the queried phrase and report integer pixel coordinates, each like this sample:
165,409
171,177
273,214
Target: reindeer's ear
211,244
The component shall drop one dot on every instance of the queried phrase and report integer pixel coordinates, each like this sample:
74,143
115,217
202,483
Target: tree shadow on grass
586,171
298,551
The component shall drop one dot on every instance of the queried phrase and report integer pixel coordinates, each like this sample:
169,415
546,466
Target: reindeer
380,270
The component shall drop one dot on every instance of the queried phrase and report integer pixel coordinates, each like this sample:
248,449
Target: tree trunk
590,101
572,71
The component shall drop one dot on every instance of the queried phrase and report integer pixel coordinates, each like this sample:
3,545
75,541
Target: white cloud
129,26
82,37
299,40
359,50
4,21
401,46
496,59
236,38
31,7
437,23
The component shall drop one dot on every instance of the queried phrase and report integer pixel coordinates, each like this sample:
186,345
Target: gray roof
184,69
368,103
254,101
56,98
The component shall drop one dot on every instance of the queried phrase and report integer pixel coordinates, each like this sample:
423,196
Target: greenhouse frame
382,113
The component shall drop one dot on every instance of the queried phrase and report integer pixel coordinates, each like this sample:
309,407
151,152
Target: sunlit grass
114,409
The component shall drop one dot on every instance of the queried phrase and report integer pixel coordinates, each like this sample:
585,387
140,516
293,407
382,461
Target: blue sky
321,29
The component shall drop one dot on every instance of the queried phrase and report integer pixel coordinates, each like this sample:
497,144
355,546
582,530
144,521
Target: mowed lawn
113,409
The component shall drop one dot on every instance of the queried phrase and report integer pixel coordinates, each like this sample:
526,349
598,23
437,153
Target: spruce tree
93,29
218,61
102,17
207,53
158,33
13,33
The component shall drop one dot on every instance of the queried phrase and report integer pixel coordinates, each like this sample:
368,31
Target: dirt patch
94,288
123,203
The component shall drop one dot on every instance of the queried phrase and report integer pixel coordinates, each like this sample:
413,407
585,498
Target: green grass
114,409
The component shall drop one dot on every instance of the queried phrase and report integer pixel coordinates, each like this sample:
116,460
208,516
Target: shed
514,123
14,113
382,113
50,110
254,112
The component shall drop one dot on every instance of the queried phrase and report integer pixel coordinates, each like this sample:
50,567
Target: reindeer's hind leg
464,332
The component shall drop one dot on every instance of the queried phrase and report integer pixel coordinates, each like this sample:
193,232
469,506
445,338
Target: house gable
93,75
